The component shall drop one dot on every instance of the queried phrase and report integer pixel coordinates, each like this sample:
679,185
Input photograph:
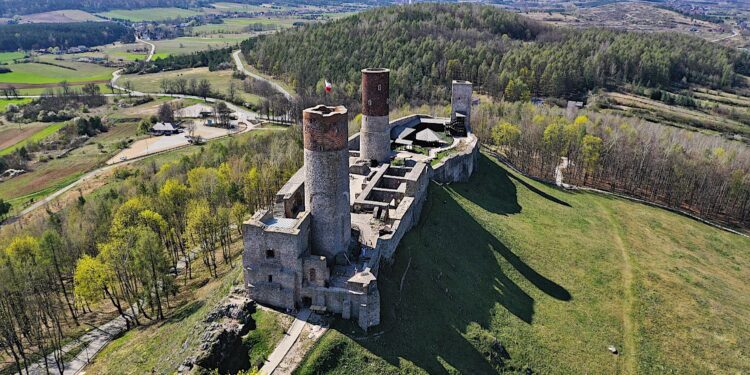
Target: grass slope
554,277
161,348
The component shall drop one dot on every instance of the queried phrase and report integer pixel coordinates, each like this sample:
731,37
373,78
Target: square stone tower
461,102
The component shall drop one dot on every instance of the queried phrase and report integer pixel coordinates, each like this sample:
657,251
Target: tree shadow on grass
185,311
457,277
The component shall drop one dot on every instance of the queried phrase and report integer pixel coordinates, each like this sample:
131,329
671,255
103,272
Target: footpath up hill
506,274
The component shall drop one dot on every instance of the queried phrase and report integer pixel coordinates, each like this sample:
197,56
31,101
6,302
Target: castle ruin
345,211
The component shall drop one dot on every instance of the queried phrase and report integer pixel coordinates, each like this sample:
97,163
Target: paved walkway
291,336
94,341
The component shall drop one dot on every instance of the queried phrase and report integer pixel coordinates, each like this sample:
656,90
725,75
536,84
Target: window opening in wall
270,278
312,274
270,254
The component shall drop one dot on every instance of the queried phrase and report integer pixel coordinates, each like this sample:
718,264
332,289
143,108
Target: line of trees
11,8
63,35
123,247
214,59
427,45
706,175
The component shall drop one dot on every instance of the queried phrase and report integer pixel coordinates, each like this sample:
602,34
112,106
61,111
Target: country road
734,34
241,67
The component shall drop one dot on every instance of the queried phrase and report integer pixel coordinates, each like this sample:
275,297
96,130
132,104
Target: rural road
153,48
241,67
282,348
734,34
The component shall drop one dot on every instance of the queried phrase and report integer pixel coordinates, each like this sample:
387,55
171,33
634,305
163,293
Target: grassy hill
506,274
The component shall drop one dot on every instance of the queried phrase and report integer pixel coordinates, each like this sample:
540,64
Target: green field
506,274
238,25
7,57
186,45
35,73
5,102
149,14
219,81
36,137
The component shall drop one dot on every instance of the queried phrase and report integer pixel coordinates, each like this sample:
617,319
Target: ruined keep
325,131
375,139
345,211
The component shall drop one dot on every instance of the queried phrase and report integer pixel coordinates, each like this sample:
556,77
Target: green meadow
36,73
507,275
8,57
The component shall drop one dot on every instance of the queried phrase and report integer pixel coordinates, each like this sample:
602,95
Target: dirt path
629,352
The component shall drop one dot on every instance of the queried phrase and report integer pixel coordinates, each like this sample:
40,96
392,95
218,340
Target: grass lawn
5,102
506,274
7,57
187,45
219,81
149,14
36,137
36,73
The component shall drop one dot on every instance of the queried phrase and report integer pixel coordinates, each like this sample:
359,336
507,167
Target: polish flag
328,86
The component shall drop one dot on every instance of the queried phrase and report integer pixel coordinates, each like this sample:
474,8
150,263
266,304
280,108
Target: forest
704,175
120,248
62,35
10,8
427,45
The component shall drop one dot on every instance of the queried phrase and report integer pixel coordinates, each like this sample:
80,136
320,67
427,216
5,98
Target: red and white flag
328,86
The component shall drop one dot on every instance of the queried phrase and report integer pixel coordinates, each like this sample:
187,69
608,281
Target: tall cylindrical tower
375,137
325,133
461,101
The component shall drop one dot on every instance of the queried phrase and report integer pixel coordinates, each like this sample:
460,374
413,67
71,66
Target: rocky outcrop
222,339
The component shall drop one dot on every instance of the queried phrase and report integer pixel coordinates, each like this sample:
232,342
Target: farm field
37,136
48,177
8,57
219,81
505,271
148,14
237,7
240,25
60,16
187,45
5,102
70,71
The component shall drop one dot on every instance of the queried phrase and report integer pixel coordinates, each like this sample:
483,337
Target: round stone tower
325,141
375,137
461,101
